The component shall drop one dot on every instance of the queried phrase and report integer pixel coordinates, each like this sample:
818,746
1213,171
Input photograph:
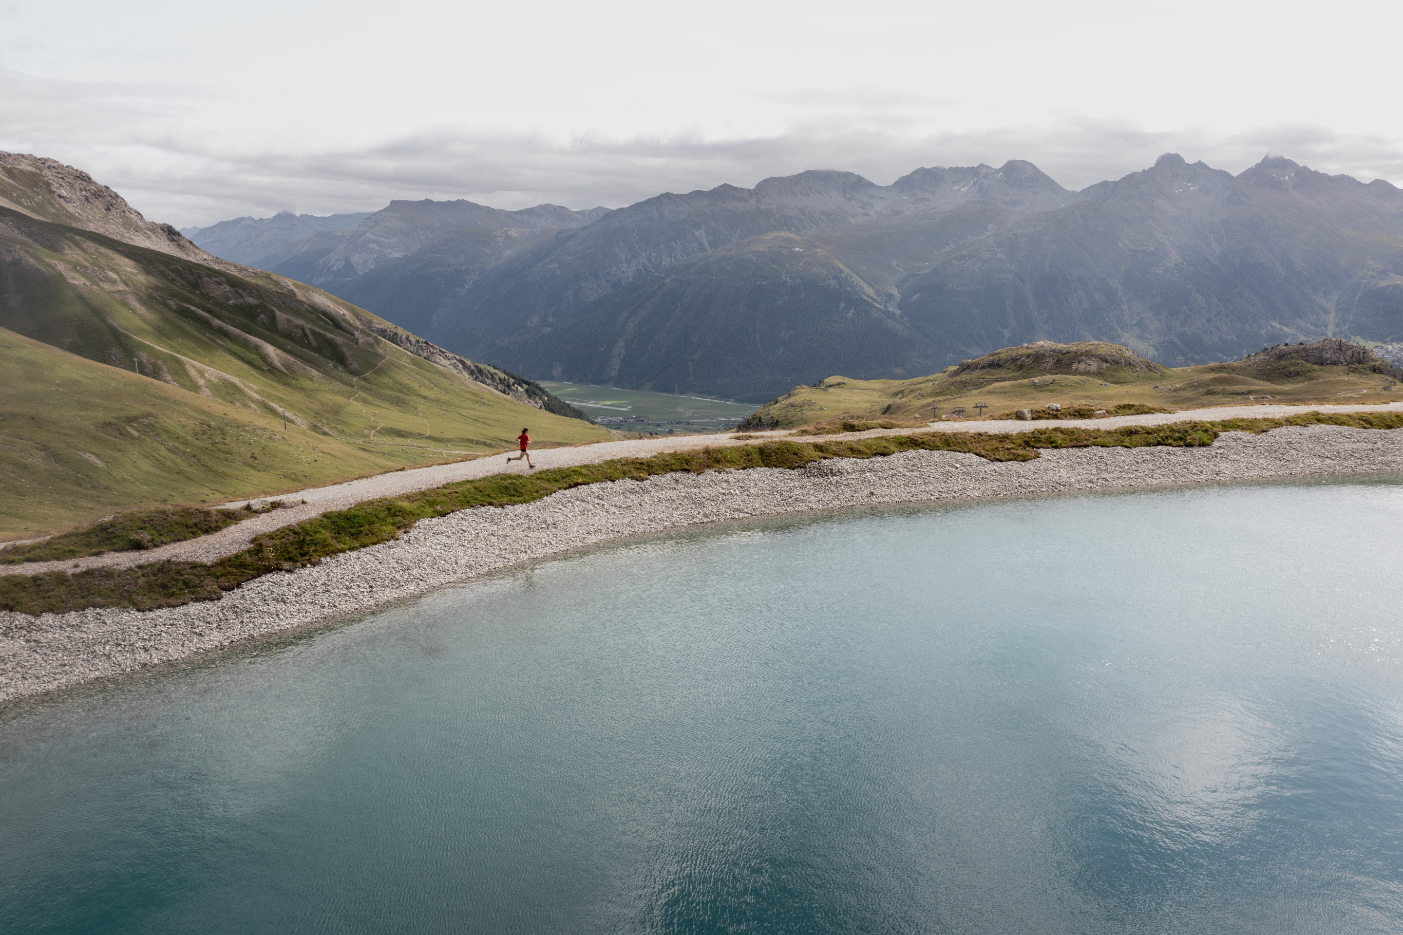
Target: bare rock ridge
663,293
48,190
508,384
1331,352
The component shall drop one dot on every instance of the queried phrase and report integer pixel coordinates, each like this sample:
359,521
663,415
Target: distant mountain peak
1019,169
1279,174
1016,184
1171,178
1173,165
251,241
1278,163
813,181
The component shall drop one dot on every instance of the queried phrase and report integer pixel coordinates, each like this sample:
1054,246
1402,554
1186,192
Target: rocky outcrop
51,191
1332,352
1050,357
508,384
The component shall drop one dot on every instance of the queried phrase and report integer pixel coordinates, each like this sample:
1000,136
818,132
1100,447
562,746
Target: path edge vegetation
173,583
139,529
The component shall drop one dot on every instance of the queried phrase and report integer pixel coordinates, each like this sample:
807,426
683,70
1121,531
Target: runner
523,439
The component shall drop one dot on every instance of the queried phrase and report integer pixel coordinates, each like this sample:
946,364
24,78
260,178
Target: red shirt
523,438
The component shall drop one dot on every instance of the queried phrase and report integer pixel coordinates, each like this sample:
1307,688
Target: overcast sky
200,112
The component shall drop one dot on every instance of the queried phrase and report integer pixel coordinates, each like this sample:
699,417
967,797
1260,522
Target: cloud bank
189,176
197,115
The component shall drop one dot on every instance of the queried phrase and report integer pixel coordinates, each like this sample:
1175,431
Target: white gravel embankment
45,653
313,502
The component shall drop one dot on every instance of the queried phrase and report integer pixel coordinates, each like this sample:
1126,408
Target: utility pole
136,365
284,420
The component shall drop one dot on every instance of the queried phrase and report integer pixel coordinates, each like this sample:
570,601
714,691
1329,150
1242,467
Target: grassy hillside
79,439
126,342
1089,374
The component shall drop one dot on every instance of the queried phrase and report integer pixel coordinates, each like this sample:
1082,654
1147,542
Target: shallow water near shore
1158,712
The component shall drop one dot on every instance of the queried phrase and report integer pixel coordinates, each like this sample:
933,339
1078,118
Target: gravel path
53,651
315,501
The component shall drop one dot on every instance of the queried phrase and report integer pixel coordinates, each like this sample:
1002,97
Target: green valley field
651,413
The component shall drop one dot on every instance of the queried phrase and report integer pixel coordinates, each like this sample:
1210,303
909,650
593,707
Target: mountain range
744,293
137,369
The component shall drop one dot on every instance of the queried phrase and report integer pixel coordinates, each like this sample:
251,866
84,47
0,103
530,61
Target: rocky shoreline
42,654
305,504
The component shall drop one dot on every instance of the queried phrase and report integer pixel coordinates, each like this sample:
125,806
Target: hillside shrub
141,529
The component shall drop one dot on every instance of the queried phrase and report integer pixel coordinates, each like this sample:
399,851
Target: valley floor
56,651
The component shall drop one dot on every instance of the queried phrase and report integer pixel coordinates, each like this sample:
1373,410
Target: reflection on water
1153,713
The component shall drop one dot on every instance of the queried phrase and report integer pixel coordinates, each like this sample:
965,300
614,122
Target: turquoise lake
1165,712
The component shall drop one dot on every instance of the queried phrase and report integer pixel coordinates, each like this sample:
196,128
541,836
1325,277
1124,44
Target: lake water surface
1152,713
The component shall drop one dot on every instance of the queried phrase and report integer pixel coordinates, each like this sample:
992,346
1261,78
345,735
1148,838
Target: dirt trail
317,500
